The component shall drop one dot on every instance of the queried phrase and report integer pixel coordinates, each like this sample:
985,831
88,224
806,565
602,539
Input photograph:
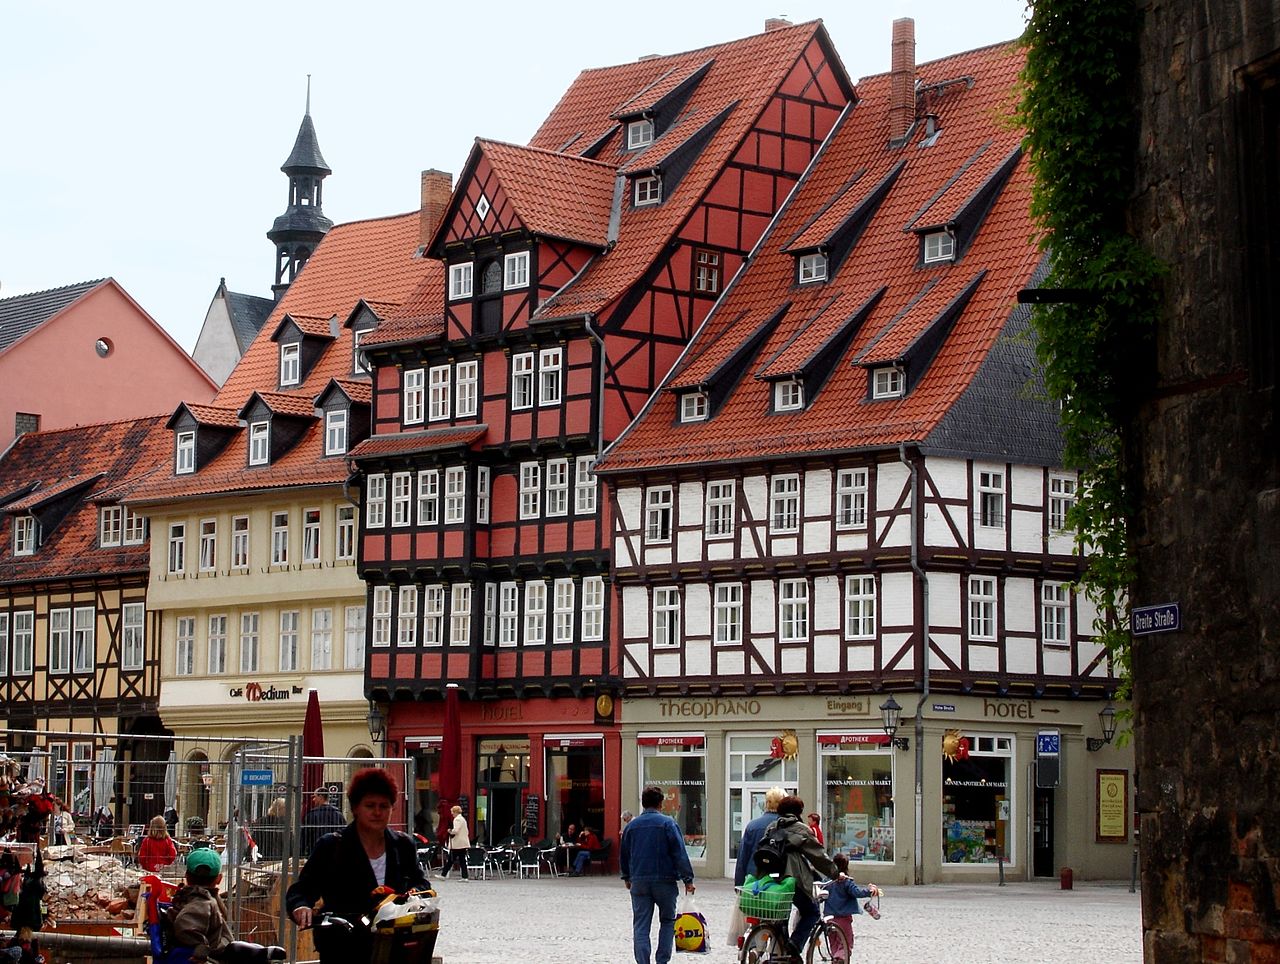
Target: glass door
754,768
502,779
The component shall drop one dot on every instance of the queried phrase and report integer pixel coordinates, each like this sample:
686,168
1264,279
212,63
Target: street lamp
890,714
1107,717
377,723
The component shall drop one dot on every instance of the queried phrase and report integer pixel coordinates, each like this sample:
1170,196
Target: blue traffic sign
1165,618
256,778
1048,742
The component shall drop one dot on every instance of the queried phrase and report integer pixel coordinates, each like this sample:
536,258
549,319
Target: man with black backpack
790,846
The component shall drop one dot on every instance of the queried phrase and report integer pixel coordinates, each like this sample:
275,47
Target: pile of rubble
89,887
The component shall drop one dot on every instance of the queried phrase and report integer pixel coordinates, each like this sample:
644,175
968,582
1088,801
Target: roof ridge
1012,41
543,150
48,291
697,50
45,432
384,217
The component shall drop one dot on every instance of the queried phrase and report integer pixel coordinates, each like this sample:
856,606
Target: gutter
917,857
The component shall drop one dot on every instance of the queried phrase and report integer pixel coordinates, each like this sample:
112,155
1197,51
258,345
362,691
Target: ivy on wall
1077,108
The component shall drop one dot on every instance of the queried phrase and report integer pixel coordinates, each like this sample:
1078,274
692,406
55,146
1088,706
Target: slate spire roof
305,158
22,314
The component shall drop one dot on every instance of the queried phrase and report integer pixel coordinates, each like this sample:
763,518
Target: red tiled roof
313,325
652,94
886,254
213,415
60,460
357,391
412,443
299,406
46,492
673,138
420,318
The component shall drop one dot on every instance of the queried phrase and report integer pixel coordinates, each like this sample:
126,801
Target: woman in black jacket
345,867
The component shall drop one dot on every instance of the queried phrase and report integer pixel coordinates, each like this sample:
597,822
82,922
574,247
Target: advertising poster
1112,817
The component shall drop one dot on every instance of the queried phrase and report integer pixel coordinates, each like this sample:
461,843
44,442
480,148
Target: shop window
753,769
857,795
678,765
977,799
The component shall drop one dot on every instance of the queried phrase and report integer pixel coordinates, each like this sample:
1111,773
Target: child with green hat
198,915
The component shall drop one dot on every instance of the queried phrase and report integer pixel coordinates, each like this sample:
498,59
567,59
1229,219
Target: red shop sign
671,740
845,739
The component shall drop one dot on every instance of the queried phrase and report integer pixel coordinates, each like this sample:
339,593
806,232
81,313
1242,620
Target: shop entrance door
503,778
1042,834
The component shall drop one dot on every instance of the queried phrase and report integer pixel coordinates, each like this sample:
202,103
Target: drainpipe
918,855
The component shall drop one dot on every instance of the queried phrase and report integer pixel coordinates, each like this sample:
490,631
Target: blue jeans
645,895
808,918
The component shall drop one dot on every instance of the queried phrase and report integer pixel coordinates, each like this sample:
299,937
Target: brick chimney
775,23
902,79
437,189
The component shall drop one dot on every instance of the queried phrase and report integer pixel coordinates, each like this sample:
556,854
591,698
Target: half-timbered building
576,268
849,489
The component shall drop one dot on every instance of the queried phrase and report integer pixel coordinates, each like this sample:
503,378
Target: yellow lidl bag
691,927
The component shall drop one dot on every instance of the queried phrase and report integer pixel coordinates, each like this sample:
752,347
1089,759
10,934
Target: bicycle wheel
828,945
764,944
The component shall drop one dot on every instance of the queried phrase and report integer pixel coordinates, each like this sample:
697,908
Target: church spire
296,233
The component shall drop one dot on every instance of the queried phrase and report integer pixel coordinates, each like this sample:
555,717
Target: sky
143,140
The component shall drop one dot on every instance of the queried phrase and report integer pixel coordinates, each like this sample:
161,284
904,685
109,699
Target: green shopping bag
767,898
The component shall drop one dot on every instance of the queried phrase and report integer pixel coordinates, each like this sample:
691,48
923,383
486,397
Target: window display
857,795
678,765
976,799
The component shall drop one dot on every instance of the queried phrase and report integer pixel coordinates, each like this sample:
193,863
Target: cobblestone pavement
588,921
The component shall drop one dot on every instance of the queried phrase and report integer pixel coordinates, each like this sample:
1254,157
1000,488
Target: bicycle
765,941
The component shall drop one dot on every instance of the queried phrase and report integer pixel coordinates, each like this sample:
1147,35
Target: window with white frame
508,613
666,616
184,459
720,508
648,190
381,616
455,494
358,360
185,648
535,612
490,629
1062,496
530,490
706,271
280,538
549,376
584,486
109,525
310,535
402,498
562,623
468,378
522,380
482,493
259,443
460,613
657,515
322,638
639,133
133,634
811,268
991,500
859,607
208,545
345,532
851,499
135,528
693,407
335,432
353,631
1055,606
439,378
557,487
593,608
217,645
407,621
24,535
376,501
250,641
289,640
177,548
515,272
726,614
788,396
290,367
59,640
793,610
982,607
83,624
460,276
432,615
239,542
784,503
412,381
939,246
888,382
24,627
4,644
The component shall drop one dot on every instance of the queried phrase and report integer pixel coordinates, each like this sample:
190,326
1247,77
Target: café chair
530,862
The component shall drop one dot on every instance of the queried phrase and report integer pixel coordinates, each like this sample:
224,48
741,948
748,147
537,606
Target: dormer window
290,367
259,443
939,246
358,361
812,268
110,521
184,460
888,382
788,396
24,535
648,190
693,407
335,432
639,133
460,276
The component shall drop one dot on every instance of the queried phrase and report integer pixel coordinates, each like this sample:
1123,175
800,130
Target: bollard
1067,878
1000,863
1133,876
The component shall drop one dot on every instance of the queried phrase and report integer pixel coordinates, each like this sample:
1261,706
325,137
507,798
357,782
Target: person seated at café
587,842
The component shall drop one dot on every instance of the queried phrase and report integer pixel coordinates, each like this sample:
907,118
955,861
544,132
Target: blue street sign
256,778
1165,618
1048,743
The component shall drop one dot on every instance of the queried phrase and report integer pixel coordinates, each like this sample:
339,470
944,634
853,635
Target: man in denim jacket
653,859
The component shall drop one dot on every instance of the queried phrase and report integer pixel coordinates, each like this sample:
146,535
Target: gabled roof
246,313
23,314
281,403
47,493
415,443
311,326
211,416
943,319
361,393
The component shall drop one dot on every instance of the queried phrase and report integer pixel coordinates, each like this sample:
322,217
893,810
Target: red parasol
312,746
450,775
